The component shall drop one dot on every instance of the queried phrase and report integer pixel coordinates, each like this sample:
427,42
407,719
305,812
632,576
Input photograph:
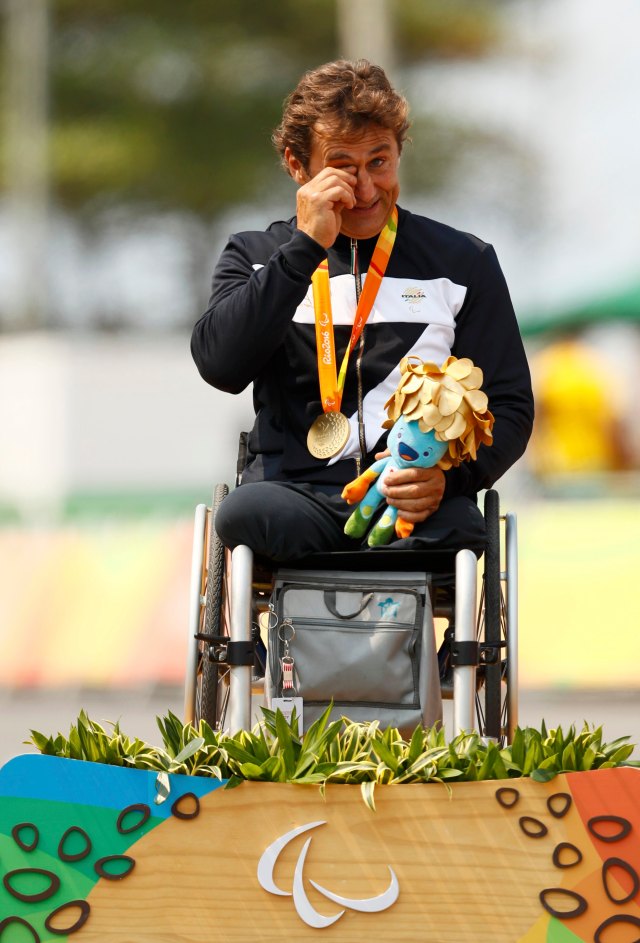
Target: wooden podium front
86,854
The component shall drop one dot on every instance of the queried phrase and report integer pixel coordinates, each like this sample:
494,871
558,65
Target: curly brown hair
346,95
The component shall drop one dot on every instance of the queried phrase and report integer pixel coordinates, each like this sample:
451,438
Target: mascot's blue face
409,446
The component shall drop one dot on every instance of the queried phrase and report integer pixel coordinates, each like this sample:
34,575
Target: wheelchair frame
478,657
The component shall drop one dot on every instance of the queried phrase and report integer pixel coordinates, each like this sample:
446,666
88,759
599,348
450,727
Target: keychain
286,634
289,698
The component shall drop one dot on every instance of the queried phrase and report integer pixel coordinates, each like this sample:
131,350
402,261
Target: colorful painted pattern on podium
86,852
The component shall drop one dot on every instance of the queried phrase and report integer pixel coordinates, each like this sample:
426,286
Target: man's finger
411,492
416,517
339,173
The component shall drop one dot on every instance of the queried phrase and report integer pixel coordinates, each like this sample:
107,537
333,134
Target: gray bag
362,640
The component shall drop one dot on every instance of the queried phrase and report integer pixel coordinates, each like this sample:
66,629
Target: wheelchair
477,659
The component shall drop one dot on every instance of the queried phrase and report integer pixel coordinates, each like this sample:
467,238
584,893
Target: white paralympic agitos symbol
306,911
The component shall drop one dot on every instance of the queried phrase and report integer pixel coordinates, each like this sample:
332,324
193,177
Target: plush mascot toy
437,416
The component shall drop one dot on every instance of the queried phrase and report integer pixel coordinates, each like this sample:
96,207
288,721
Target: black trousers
285,522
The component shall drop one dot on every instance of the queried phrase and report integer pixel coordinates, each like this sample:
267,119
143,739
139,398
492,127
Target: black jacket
443,293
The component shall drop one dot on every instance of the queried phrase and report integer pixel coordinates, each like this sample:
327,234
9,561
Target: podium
86,853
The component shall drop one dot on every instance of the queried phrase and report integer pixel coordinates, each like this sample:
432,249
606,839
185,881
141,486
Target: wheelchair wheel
491,702
210,688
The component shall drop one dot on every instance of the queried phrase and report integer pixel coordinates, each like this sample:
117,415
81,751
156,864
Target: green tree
168,105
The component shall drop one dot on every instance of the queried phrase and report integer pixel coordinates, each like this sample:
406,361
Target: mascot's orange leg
403,528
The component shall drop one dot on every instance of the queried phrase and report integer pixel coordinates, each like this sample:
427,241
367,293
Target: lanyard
332,382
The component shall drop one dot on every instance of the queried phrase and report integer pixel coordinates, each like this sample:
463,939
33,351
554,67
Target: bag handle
330,603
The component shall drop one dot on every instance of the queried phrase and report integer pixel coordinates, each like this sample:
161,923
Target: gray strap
330,603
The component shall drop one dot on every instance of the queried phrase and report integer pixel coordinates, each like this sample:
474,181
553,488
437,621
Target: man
441,292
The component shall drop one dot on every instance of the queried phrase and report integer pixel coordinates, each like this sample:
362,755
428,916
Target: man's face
372,156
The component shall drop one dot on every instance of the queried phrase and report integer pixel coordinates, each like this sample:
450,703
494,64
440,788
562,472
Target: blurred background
135,138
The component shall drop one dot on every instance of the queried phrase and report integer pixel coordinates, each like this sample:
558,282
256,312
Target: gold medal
328,435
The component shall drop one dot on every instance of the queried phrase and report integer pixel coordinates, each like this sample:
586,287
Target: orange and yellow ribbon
332,382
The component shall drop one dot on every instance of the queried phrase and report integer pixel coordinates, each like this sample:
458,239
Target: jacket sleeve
251,308
487,332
